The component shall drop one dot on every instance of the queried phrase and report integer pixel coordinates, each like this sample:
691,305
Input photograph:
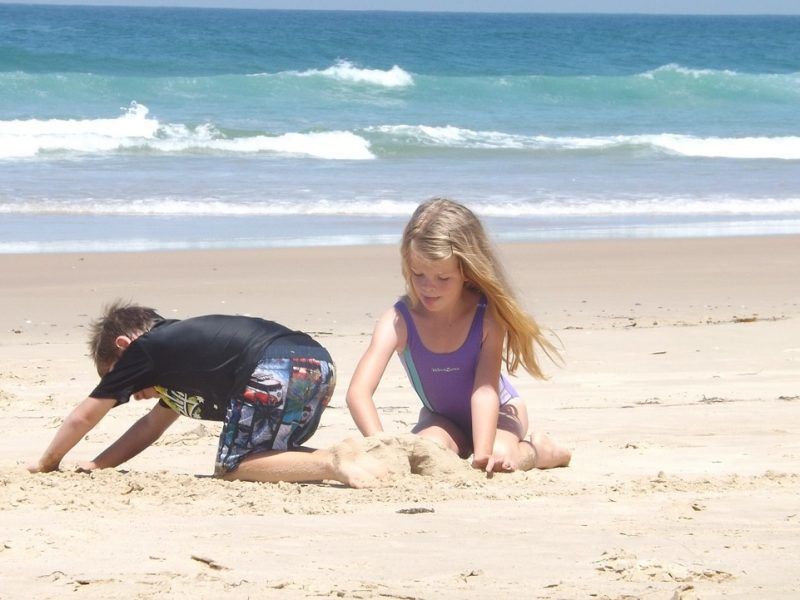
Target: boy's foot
546,453
354,467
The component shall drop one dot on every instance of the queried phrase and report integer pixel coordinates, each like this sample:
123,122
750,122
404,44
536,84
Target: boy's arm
369,372
138,437
77,424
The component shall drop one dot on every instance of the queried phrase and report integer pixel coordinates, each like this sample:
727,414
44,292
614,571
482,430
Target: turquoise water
125,128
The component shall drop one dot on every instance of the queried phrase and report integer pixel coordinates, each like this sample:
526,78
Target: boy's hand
39,467
145,394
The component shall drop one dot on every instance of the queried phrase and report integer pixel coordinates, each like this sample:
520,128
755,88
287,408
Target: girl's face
438,284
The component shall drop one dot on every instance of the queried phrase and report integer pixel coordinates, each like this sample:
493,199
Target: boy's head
119,320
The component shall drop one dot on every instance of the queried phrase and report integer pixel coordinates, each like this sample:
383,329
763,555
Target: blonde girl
458,322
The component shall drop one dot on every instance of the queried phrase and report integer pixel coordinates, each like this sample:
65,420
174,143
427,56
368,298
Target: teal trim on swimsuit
411,371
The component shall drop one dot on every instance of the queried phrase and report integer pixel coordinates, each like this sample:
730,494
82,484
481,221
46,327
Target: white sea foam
501,207
135,129
782,147
331,145
681,70
785,147
159,243
26,138
455,137
643,207
345,71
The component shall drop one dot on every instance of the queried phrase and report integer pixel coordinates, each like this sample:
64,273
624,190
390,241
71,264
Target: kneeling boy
266,383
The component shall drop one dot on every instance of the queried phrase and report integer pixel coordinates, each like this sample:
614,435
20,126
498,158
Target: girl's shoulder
492,325
391,325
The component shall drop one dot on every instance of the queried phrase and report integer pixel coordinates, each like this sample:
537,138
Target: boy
266,383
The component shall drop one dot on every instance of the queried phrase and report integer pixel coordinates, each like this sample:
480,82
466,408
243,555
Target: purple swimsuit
444,381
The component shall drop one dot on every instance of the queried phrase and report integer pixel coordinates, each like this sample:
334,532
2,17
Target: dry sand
680,399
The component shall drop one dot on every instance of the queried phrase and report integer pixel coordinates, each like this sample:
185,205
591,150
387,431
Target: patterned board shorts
280,406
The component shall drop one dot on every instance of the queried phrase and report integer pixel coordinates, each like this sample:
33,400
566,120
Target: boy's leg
345,463
278,411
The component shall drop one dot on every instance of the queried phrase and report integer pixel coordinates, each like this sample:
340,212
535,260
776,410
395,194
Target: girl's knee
513,418
441,436
505,447
443,431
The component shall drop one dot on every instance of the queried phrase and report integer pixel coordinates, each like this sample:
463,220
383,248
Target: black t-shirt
205,360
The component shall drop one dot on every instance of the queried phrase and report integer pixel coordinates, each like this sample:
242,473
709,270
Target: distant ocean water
142,128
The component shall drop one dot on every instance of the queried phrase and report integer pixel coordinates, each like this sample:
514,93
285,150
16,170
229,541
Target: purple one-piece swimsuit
445,381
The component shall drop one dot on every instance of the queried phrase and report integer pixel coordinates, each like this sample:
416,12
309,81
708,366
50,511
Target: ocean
129,129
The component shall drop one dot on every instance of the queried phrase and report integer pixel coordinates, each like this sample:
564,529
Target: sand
679,397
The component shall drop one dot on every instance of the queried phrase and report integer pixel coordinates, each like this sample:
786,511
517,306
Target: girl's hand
483,463
494,464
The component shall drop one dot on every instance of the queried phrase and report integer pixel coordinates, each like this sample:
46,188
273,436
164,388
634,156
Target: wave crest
780,147
136,130
676,69
346,71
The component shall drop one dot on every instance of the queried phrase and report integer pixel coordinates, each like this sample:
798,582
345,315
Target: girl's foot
546,454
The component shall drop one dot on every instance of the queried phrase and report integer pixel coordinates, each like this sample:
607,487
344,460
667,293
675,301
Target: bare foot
354,467
527,456
546,453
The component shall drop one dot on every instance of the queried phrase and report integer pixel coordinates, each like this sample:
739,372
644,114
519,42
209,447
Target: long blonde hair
441,228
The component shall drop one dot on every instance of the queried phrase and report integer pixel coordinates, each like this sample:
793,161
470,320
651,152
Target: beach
678,398
640,175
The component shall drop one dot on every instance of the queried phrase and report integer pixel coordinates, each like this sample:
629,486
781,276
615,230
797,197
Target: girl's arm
77,424
369,372
485,402
138,437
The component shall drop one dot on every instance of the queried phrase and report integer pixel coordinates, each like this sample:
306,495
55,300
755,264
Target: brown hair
441,228
119,318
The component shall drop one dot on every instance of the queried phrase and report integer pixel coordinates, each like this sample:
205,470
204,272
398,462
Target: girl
457,323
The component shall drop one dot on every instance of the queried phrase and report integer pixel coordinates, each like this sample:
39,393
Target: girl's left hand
493,464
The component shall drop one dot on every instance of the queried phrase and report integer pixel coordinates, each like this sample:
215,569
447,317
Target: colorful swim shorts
280,406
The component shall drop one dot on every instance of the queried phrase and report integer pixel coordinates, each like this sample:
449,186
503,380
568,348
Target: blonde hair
441,228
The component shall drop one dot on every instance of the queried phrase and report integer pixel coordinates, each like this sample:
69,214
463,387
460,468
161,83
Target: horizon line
400,10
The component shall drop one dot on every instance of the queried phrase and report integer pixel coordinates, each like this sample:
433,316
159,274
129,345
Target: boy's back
208,357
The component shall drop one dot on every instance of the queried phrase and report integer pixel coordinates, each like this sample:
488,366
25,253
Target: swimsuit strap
477,322
411,329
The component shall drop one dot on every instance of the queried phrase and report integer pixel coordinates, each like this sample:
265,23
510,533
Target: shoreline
632,232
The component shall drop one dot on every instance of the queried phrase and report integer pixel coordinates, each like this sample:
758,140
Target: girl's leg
548,454
444,431
512,424
537,450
